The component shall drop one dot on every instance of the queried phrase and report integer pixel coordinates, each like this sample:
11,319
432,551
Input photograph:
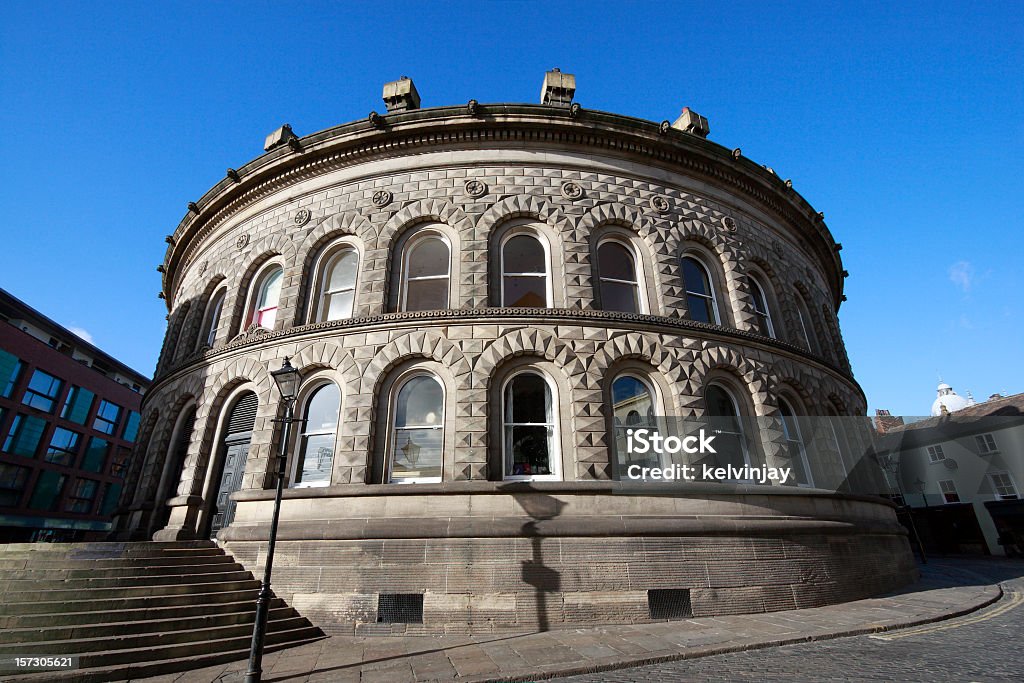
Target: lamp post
287,380
889,462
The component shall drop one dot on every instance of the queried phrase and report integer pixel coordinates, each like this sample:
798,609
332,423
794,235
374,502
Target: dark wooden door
230,481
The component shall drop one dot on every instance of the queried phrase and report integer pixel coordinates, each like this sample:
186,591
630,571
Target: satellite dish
950,464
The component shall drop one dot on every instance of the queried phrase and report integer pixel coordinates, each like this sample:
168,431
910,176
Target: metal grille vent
243,417
669,603
400,608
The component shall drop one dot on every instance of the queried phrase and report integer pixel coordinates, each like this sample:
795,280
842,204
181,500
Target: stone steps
148,608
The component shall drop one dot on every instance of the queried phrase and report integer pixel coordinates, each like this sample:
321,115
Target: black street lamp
287,380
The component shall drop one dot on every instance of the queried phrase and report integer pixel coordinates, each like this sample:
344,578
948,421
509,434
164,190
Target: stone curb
993,593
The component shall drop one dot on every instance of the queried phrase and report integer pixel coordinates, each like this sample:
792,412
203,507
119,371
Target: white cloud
83,333
961,274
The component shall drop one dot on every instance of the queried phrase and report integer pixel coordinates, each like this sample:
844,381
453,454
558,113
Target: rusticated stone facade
473,177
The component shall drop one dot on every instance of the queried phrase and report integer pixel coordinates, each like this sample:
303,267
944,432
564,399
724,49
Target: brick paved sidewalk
947,588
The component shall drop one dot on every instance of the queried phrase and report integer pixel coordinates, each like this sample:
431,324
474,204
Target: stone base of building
496,557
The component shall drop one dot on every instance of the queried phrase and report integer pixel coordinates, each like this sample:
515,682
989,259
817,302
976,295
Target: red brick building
69,414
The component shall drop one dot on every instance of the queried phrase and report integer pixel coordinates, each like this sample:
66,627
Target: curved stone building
480,299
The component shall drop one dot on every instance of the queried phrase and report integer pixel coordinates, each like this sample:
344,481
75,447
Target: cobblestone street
982,646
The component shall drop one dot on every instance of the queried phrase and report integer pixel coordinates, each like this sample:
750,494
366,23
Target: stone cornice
504,316
498,126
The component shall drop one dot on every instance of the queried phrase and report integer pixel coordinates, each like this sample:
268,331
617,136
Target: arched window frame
656,403
805,325
256,291
699,259
638,272
306,395
758,291
730,392
410,244
554,438
792,432
518,231
392,428
328,256
212,318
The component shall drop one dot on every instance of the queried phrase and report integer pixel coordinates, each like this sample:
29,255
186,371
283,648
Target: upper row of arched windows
525,281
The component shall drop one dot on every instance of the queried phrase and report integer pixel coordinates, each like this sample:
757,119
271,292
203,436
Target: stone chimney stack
885,422
558,89
401,95
693,123
281,136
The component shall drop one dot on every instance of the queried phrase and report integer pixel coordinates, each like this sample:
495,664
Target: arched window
804,323
417,440
529,432
632,408
524,272
795,448
617,270
268,294
764,316
319,433
701,299
338,286
724,419
426,273
208,333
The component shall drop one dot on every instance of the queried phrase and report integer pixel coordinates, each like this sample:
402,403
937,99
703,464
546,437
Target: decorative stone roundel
777,246
381,198
202,267
660,204
243,241
729,223
302,217
476,188
572,190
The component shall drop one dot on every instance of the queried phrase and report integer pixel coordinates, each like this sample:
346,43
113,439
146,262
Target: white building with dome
948,401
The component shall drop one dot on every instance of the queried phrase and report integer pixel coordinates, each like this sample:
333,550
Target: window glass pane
46,495
23,439
77,405
82,496
695,277
63,447
529,426
107,416
632,408
10,369
110,498
131,426
427,295
417,454
42,390
524,254
317,458
527,400
12,483
323,409
214,321
270,291
420,402
342,274
615,260
525,291
266,318
619,296
701,309
527,450
428,257
339,304
95,455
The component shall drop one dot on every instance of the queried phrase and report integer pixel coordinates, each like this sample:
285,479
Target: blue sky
901,121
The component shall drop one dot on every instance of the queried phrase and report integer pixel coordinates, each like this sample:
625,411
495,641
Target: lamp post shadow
540,507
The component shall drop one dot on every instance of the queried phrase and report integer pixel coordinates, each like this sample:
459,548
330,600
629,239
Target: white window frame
711,285
656,403
935,453
327,259
739,421
803,316
407,250
393,437
799,439
1009,479
529,232
766,314
983,441
638,272
554,440
300,438
952,490
256,291
211,319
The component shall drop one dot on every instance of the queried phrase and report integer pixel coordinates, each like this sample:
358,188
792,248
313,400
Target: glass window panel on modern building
427,273
724,421
12,484
339,287
111,495
95,455
619,284
107,416
42,391
63,447
529,428
795,447
77,405
10,371
267,298
524,273
82,496
1003,486
320,431
763,315
700,293
46,495
24,435
632,408
418,433
131,426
